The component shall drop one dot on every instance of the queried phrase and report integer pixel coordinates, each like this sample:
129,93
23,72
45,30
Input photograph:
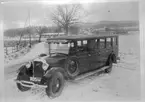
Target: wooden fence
12,46
10,50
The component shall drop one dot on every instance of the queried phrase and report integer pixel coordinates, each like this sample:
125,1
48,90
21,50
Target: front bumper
29,84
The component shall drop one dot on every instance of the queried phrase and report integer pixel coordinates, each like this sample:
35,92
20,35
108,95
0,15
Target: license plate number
34,79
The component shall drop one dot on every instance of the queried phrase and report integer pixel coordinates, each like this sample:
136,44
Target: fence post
12,49
17,47
6,50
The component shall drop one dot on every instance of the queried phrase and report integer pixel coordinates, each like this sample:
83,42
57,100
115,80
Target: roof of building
80,37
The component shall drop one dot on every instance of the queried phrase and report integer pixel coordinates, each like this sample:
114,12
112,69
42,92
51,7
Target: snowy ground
122,84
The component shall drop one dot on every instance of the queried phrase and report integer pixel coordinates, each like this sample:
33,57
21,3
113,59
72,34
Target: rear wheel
114,59
55,85
21,87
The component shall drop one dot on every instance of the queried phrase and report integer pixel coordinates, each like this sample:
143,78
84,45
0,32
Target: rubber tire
72,76
114,59
21,87
108,70
49,90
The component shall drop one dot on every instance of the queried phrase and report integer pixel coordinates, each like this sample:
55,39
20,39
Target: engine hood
54,59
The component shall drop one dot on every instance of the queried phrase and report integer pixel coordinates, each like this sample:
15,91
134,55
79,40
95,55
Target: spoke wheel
55,85
72,69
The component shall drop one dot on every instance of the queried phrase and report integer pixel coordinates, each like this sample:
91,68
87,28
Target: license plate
34,79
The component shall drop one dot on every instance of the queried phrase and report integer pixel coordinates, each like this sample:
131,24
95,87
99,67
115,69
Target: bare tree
40,30
66,15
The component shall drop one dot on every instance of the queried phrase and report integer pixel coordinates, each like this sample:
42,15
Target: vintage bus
68,57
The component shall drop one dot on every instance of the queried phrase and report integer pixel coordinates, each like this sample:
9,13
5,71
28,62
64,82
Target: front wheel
21,87
55,85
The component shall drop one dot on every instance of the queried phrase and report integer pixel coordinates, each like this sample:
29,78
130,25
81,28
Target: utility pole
29,29
21,35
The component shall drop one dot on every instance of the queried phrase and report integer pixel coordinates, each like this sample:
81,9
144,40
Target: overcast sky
15,14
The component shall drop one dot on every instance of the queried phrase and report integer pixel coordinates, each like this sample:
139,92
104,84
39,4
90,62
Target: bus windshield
59,47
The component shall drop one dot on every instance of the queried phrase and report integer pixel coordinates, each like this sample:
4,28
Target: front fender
52,70
22,69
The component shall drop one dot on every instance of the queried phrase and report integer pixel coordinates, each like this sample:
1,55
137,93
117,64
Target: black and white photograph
67,50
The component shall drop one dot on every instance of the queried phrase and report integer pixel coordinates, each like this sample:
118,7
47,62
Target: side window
79,43
114,41
85,42
102,43
68,45
72,44
108,42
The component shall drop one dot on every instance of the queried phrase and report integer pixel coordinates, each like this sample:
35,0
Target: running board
31,84
90,73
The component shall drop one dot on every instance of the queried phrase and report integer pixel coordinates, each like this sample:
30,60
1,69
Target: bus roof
81,37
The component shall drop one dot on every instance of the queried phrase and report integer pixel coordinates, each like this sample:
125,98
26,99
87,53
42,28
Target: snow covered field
122,84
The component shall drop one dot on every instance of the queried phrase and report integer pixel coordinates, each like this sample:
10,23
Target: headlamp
44,63
45,66
28,65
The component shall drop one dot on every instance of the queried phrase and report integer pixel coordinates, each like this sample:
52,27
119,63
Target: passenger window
108,42
71,44
108,39
96,40
82,45
114,40
68,44
79,43
102,43
85,42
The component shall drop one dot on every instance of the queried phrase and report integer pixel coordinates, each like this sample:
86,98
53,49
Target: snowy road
122,84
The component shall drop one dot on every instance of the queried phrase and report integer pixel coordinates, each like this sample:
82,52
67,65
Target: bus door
93,54
82,56
102,53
